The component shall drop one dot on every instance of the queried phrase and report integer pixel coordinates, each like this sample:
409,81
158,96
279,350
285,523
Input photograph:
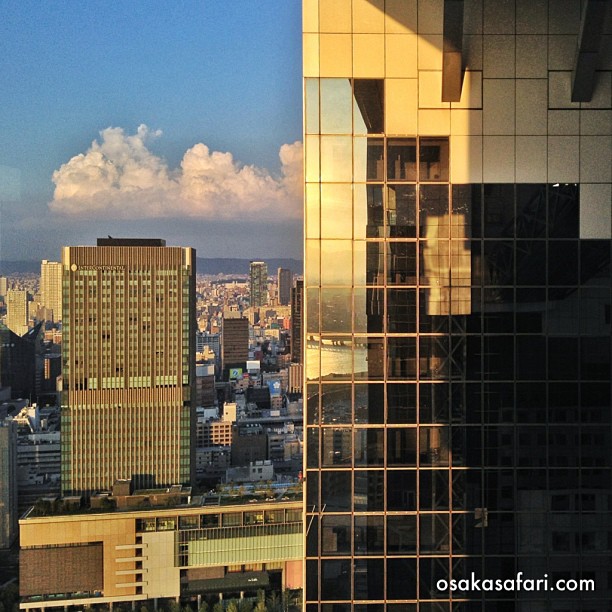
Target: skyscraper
234,343
51,287
284,286
297,324
458,164
8,482
258,278
17,311
128,365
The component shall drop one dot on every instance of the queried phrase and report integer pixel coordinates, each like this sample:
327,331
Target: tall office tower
297,324
8,483
17,311
285,279
3,285
234,344
258,278
458,167
128,409
51,287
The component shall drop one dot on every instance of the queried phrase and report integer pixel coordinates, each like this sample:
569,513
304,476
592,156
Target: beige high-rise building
51,287
128,365
17,311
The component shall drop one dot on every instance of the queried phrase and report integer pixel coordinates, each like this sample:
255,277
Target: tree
174,606
245,606
204,607
261,607
218,607
232,606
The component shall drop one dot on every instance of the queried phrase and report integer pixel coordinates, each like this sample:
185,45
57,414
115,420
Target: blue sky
226,75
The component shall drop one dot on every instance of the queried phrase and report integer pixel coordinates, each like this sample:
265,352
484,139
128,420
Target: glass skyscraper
458,168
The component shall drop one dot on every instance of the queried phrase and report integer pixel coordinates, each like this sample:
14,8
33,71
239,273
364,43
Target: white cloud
120,177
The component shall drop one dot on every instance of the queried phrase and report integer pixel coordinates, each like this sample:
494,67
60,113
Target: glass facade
457,363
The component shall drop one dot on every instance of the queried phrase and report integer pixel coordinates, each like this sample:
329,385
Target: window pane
401,159
369,106
336,106
433,159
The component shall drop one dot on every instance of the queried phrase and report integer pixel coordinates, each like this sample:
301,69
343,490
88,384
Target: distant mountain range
205,265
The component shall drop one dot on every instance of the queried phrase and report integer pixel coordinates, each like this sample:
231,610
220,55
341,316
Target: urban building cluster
451,334
176,391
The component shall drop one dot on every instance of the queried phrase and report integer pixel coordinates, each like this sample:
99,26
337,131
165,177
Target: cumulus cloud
119,176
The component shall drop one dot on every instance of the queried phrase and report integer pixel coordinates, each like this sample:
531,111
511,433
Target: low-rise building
131,555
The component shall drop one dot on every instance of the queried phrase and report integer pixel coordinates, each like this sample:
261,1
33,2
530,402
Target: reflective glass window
401,211
369,106
401,159
433,159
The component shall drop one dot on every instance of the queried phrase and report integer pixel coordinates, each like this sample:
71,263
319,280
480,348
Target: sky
178,120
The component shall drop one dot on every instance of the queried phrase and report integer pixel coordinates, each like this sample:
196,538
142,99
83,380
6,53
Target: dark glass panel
312,490
434,533
401,211
401,159
401,263
369,535
433,358
499,357
312,581
401,490
336,535
431,571
401,403
401,311
464,202
369,105
375,263
433,490
401,358
375,310
336,491
374,203
595,262
312,447
529,310
530,358
369,579
498,211
336,403
498,446
563,359
499,485
433,159
498,264
530,211
563,262
563,211
530,257
369,403
433,447
337,447
312,405
401,446
530,402
401,578
335,579
369,490
563,403
369,447
312,536
401,534
595,358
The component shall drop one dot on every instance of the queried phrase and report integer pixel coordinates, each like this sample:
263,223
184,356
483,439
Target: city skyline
193,114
